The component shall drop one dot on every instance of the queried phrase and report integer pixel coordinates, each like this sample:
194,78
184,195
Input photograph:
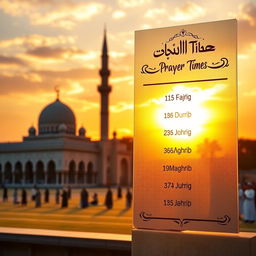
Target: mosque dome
82,131
32,131
54,116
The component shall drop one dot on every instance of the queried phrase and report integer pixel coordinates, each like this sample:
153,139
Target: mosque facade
56,155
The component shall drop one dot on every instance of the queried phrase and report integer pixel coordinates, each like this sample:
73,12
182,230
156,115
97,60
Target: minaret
104,89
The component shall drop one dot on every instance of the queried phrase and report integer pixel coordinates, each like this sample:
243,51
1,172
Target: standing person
109,199
84,198
15,196
95,200
57,196
24,197
119,192
33,193
38,199
69,192
249,205
5,194
46,195
64,202
128,199
241,201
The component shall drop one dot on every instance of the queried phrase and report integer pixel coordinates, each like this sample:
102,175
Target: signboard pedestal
192,243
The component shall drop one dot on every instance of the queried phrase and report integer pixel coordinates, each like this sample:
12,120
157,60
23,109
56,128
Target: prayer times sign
185,141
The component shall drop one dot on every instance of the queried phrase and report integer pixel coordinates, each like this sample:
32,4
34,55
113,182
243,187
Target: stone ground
51,216
92,219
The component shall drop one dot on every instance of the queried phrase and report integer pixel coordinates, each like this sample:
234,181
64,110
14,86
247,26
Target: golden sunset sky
48,43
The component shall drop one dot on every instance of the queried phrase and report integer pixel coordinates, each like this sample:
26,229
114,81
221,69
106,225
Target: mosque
56,155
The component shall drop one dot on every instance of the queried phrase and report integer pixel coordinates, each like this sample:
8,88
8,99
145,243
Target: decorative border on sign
223,63
181,222
220,64
183,33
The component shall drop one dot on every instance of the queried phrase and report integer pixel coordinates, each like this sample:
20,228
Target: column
45,178
12,178
76,177
56,178
61,178
34,178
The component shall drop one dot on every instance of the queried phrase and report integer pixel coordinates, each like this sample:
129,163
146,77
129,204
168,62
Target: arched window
81,173
18,173
51,173
8,173
72,172
89,175
40,176
29,173
124,178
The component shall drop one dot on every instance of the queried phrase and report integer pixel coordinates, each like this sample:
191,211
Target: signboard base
160,243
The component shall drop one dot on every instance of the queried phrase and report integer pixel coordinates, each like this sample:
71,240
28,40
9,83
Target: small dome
32,131
62,128
54,115
82,131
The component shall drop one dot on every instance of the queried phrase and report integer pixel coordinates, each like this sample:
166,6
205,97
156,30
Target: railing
37,242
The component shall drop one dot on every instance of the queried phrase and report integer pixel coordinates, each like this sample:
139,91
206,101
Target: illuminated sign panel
185,141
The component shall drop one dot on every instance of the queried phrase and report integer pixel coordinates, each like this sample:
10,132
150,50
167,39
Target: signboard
185,141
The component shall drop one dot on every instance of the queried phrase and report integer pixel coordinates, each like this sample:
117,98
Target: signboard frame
174,65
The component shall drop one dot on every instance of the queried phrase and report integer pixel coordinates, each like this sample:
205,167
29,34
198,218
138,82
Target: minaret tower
104,89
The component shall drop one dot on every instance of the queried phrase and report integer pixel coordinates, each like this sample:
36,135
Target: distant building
54,155
247,160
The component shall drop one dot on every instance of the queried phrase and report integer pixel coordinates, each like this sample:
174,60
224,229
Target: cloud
35,40
54,53
17,84
7,60
132,3
71,74
246,16
247,11
121,107
246,36
154,13
64,14
37,51
118,14
122,79
114,54
71,80
89,105
122,61
188,11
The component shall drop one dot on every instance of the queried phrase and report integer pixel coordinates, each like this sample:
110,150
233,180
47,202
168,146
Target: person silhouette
57,196
109,199
95,200
128,199
84,198
5,194
24,197
64,202
38,198
119,192
46,195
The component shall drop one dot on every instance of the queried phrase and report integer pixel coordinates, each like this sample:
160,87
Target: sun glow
184,112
